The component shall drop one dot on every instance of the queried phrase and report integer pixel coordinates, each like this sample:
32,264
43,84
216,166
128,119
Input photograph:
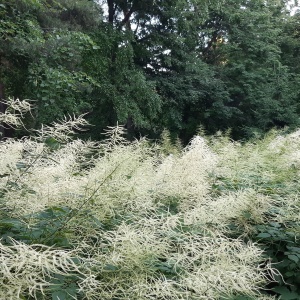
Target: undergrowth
116,220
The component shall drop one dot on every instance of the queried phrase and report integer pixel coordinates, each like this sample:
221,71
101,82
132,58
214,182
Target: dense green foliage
154,64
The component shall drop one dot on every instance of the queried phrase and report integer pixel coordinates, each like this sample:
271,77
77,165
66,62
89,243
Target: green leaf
52,143
275,224
285,293
294,249
294,258
110,267
247,215
289,274
60,295
263,235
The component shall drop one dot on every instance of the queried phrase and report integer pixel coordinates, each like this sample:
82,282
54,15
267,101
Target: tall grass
117,220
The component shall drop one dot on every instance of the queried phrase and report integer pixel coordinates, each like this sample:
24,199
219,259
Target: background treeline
176,64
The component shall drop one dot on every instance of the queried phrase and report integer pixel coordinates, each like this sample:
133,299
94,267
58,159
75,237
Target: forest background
150,65
112,219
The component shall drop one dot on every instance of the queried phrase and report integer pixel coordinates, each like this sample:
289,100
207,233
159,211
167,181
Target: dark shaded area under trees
154,64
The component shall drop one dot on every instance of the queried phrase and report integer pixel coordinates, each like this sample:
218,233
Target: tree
42,46
247,56
162,36
153,64
123,94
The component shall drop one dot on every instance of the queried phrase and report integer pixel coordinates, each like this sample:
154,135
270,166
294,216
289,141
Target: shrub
119,220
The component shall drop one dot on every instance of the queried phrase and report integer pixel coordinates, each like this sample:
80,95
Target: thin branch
73,213
128,15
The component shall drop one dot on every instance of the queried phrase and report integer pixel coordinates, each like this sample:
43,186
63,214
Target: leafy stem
74,211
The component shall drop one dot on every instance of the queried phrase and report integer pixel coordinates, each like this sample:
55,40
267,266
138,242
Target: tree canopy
175,64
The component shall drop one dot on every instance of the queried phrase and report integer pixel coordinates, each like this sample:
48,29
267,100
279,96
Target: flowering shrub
118,220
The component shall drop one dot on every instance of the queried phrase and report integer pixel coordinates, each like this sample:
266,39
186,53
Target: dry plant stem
72,214
31,164
14,112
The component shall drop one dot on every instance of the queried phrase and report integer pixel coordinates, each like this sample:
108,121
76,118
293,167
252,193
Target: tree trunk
111,11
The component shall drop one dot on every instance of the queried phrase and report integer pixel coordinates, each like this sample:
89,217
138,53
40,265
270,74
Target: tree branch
127,15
